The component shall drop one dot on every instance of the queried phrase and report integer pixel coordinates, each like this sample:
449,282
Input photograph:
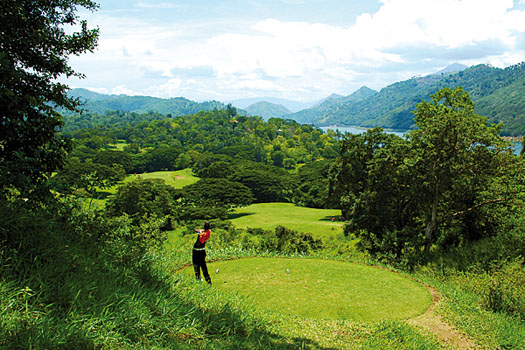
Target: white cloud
98,90
124,90
273,55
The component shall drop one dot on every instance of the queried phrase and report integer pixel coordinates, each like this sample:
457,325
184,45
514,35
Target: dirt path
443,331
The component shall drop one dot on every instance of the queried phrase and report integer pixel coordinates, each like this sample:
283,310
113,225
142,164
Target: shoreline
513,138
364,128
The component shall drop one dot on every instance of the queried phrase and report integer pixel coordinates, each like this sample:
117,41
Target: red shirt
204,236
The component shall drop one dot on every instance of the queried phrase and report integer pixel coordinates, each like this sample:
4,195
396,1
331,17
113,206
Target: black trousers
199,263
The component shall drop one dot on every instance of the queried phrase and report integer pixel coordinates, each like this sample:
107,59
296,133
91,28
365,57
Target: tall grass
465,304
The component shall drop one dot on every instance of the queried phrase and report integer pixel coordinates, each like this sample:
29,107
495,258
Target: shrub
506,290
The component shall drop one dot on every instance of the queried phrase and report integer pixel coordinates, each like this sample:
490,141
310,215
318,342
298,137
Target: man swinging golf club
199,253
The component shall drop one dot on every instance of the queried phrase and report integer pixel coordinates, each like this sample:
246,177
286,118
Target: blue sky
294,49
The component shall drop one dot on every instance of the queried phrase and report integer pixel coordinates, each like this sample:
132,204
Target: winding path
435,324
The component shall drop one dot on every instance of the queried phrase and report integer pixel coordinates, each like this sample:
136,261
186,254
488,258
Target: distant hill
293,106
498,94
331,97
317,113
100,103
267,110
453,68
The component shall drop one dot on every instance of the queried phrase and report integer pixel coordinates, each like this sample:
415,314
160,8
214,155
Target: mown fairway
269,215
177,179
322,289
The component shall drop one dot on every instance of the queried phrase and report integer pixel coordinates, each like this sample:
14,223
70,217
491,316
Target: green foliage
506,289
456,152
36,43
157,159
112,157
143,200
312,186
215,132
267,184
76,177
281,240
290,241
464,305
444,179
376,194
212,192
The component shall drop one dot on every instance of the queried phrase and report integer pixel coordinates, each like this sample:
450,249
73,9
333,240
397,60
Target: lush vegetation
449,182
35,48
445,205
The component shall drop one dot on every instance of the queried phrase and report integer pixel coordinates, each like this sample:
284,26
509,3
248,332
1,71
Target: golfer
199,253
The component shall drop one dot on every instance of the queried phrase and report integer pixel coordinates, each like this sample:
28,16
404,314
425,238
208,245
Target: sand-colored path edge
433,323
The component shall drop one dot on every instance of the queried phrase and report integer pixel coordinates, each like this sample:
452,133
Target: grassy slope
269,215
177,179
322,289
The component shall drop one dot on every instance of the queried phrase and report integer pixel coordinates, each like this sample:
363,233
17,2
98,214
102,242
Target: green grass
270,215
119,145
464,309
177,179
322,289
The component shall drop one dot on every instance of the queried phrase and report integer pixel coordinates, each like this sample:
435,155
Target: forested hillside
99,103
277,141
498,91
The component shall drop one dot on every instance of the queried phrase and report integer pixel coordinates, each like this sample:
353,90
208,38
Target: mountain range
100,103
497,93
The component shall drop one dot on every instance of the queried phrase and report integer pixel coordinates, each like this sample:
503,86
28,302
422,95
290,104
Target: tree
87,176
37,38
455,150
401,196
218,192
311,189
112,157
212,198
143,200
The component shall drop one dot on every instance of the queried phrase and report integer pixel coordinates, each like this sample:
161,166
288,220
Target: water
517,147
359,130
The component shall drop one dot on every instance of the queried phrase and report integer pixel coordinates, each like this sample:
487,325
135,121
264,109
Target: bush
290,241
501,289
506,290
144,199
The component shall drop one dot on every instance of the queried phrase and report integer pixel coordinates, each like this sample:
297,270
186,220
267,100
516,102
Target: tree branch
488,201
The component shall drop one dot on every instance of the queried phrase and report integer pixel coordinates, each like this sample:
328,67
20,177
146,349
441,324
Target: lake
359,130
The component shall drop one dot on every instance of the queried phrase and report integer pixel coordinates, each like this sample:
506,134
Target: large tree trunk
432,223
